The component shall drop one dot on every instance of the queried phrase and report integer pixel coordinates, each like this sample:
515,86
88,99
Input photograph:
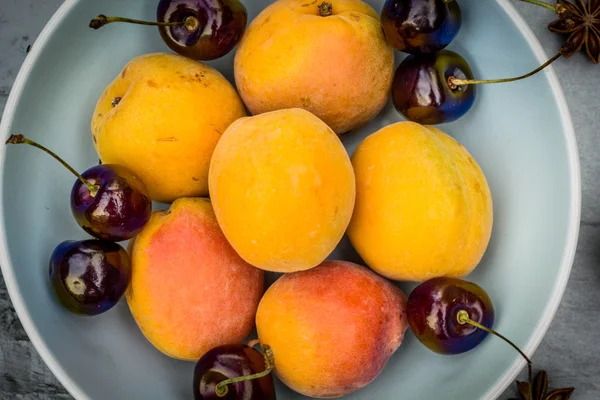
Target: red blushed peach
190,291
332,329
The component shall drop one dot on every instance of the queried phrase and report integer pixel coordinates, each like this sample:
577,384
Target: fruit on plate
283,189
189,290
202,30
89,277
234,371
108,201
332,329
420,91
453,316
438,88
162,118
423,206
328,57
420,26
433,309
220,25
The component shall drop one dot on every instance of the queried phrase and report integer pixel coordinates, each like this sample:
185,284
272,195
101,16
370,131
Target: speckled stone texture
570,350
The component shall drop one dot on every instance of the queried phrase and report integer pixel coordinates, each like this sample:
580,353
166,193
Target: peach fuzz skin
332,329
283,189
171,115
423,205
338,67
190,291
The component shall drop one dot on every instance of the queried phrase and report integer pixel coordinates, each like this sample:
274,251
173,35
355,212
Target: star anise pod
540,389
581,22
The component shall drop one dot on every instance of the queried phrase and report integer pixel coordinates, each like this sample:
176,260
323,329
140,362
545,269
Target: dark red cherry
420,26
120,207
198,29
108,201
89,277
433,308
453,316
219,27
421,90
230,362
435,88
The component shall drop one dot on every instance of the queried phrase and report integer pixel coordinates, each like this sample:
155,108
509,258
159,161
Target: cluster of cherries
112,204
448,315
432,85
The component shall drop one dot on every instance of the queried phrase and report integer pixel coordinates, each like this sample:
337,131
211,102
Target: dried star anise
581,22
540,389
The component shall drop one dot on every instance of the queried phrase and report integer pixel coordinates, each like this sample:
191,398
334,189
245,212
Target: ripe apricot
337,66
423,205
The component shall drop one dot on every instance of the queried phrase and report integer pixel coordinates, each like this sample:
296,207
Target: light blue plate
520,133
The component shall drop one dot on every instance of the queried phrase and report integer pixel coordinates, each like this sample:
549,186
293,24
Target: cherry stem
541,4
221,389
463,318
191,23
325,9
453,82
20,139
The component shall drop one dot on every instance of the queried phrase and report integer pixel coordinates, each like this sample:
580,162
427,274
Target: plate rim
535,337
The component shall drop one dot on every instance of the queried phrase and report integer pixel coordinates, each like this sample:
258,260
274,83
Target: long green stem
463,318
541,4
191,23
20,139
221,389
454,82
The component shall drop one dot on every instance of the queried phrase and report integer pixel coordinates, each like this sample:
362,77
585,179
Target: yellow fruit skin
332,329
170,117
423,206
283,189
339,67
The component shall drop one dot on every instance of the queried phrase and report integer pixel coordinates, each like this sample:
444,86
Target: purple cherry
108,201
433,309
120,207
89,277
220,26
234,372
453,316
420,26
421,90
436,88
198,29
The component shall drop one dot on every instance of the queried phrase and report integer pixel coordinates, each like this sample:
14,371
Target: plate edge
16,298
575,206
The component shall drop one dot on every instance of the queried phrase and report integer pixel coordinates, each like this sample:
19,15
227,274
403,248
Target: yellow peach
423,205
295,55
283,189
162,118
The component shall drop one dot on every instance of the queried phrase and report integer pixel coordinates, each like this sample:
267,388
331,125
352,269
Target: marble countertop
569,351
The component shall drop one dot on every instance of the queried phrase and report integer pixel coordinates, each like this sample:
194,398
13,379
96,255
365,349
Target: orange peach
333,62
423,205
190,291
162,117
332,329
283,189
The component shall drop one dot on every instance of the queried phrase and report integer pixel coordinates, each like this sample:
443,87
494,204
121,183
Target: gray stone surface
570,351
